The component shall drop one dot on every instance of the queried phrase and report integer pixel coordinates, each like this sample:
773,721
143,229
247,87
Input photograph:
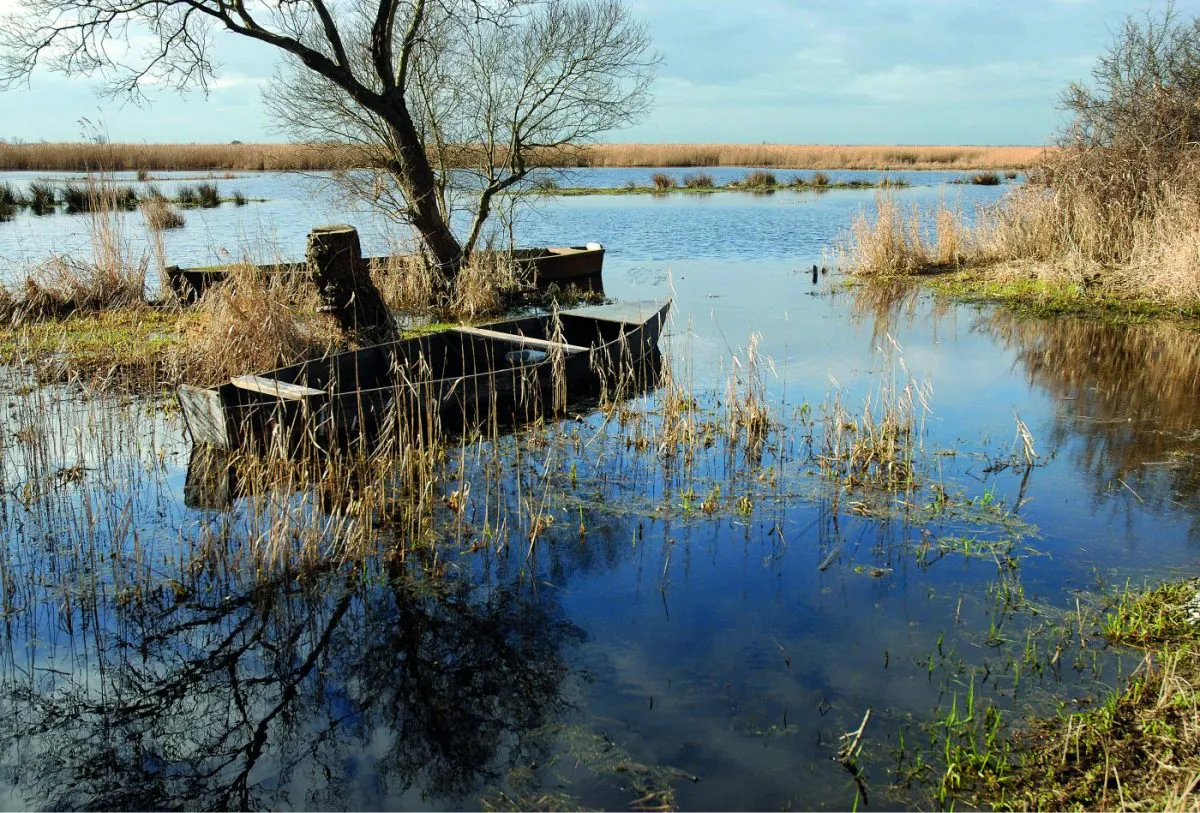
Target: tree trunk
343,280
417,180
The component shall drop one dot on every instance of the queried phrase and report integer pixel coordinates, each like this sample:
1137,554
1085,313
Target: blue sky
785,71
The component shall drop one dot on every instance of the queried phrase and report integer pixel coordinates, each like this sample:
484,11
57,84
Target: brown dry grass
80,157
812,156
1065,235
483,287
252,321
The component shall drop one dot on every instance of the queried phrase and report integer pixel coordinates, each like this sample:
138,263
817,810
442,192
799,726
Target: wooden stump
343,279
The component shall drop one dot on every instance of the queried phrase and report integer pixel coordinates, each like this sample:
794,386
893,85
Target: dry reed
252,321
159,214
80,157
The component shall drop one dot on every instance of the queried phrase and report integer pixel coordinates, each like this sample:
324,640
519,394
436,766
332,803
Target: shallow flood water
616,615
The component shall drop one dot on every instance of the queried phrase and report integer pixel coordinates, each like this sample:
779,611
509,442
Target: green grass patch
1136,748
130,345
1041,298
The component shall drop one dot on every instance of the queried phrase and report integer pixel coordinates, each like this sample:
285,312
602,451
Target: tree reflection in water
288,693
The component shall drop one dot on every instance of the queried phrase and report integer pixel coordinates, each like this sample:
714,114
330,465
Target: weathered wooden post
343,279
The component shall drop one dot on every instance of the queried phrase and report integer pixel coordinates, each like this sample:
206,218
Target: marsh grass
1080,225
877,448
758,179
159,214
1134,749
252,321
487,283
10,202
85,157
41,198
207,195
663,181
698,180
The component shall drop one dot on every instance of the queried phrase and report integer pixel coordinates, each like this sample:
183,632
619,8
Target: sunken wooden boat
490,375
545,269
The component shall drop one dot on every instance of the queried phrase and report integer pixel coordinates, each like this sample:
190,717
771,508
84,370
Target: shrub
663,181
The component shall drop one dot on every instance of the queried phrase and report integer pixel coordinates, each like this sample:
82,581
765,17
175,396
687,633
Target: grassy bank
700,183
1040,251
1138,748
81,157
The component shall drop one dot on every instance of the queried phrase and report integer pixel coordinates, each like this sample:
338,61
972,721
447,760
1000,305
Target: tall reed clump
10,200
663,181
899,241
698,180
484,285
160,214
758,179
41,198
253,321
746,403
208,196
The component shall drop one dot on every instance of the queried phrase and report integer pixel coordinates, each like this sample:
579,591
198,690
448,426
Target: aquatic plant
663,181
41,198
253,320
75,197
758,178
698,180
207,195
985,179
159,213
10,201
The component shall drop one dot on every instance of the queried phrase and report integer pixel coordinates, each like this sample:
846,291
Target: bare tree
420,87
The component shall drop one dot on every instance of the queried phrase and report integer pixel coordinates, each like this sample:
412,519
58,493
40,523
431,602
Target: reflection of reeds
1130,395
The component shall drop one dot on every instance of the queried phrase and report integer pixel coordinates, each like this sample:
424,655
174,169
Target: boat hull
554,268
485,377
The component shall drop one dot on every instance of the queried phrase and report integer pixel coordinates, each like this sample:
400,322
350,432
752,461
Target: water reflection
336,690
1128,400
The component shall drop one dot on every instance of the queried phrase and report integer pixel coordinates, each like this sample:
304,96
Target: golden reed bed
150,157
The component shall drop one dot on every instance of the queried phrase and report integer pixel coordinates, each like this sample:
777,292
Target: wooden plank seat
546,344
274,387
